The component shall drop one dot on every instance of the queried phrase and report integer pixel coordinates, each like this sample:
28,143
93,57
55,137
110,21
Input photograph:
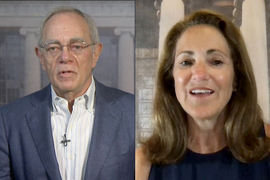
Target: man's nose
66,54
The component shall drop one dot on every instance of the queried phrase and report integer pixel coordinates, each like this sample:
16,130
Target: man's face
69,72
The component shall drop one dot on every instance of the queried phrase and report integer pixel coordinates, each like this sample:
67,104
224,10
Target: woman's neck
206,136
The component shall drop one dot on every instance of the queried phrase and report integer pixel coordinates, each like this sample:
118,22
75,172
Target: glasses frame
68,46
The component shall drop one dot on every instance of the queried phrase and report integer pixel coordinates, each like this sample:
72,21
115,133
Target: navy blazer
26,142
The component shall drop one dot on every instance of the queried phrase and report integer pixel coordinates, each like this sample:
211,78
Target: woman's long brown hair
168,142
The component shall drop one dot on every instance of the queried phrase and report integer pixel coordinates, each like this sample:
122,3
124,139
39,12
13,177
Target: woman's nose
200,71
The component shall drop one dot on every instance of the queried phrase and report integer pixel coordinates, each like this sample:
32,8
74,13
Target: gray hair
65,9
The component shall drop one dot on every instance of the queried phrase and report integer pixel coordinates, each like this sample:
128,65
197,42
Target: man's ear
40,57
96,53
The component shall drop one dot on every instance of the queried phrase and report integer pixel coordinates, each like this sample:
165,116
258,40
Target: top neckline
223,154
208,154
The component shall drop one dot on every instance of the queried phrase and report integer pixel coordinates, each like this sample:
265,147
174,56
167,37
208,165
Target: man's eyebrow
76,39
52,41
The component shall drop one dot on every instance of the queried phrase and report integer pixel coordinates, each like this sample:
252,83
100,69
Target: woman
208,124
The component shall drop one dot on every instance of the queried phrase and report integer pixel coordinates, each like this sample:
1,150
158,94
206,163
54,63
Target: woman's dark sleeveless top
217,166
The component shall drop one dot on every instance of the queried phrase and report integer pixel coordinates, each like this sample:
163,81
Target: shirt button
70,157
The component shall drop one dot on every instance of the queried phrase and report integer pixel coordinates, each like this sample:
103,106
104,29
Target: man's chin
64,88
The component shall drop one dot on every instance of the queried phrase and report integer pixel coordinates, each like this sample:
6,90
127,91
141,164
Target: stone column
254,32
125,58
32,78
171,11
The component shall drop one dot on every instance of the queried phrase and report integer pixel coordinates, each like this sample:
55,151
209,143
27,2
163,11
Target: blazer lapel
106,124
39,122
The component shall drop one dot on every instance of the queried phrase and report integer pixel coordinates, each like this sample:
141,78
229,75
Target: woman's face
203,72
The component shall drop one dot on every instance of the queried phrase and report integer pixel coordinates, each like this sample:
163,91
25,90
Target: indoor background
154,18
20,70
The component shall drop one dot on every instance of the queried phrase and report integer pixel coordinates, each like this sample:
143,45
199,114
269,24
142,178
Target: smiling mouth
201,91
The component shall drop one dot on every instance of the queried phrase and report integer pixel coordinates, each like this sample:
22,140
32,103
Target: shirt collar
89,96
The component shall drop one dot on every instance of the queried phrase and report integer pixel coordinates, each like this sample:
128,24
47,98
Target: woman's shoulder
142,165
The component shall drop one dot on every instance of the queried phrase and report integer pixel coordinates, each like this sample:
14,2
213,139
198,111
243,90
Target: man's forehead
69,19
65,14
71,26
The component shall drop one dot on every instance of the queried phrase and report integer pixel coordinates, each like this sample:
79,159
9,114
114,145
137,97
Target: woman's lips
201,92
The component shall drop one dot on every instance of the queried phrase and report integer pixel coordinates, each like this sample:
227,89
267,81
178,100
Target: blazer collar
39,122
106,124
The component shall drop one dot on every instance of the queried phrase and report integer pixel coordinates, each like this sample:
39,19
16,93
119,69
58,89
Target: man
75,128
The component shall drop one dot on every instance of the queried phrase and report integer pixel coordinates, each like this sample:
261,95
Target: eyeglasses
54,49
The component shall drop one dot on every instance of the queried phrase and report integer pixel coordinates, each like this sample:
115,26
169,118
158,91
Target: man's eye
52,48
76,47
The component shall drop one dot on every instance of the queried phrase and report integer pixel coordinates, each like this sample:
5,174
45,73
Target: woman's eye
186,63
217,62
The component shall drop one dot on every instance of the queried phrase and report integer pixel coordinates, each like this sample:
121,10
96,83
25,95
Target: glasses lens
76,47
52,49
